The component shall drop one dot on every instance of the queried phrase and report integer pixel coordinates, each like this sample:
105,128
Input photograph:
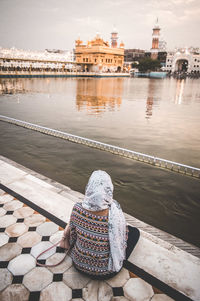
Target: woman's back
98,231
89,237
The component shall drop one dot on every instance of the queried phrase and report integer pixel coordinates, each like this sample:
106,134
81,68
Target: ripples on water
157,117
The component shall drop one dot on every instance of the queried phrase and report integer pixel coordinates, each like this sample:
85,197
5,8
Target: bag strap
51,265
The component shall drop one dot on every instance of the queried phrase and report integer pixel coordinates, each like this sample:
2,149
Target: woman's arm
65,238
69,234
66,232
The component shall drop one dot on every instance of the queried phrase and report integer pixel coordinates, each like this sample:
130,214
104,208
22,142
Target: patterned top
89,238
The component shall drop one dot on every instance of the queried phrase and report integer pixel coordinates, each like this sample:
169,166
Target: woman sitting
97,232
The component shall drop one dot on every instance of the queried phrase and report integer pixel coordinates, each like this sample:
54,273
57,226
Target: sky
56,24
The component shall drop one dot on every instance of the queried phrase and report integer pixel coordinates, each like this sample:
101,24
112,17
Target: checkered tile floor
24,233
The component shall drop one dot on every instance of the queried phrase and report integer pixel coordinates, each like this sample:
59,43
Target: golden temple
98,56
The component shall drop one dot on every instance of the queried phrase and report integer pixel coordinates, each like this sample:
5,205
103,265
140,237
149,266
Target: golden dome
121,45
78,42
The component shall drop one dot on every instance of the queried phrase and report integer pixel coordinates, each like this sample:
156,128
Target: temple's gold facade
98,56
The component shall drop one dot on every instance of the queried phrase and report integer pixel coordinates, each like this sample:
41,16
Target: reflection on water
149,107
97,96
157,117
139,114
179,91
33,85
12,86
150,98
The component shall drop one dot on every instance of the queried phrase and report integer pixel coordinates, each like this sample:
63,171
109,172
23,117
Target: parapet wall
30,74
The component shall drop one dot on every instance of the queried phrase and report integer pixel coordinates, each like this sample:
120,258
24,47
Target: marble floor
25,233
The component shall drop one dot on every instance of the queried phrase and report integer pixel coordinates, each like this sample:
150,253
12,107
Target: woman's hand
64,243
65,239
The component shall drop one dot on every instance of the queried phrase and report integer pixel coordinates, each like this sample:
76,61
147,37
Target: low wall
26,74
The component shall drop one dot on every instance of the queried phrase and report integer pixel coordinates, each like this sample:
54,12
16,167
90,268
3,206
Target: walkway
24,234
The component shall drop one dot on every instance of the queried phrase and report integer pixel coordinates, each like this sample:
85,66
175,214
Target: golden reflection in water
179,91
150,99
98,96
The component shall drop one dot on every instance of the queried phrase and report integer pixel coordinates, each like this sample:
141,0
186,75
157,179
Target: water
157,117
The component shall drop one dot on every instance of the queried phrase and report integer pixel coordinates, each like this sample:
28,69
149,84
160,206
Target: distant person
97,232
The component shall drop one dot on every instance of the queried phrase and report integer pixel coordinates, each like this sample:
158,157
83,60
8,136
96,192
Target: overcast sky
40,24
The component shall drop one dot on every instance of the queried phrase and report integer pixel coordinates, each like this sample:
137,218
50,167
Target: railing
155,161
45,72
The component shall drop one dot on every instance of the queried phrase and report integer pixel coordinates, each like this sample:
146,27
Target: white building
183,60
162,45
12,59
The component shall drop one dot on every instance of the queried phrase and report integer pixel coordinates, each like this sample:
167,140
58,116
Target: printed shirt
90,241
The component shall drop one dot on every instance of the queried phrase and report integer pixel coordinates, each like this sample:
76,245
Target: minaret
155,41
114,38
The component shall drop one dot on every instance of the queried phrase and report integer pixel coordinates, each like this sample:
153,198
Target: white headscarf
99,196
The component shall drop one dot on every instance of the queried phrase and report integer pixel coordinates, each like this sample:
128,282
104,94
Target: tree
147,64
134,65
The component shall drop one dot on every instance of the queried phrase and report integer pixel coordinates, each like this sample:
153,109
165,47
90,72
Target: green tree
134,65
147,64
